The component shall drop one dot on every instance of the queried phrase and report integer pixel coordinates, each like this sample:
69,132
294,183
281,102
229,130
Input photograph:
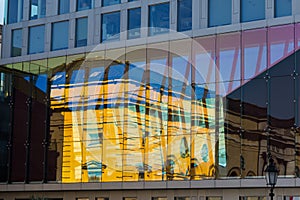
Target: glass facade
36,39
219,12
84,4
168,111
184,15
159,19
252,10
63,6
282,8
81,32
110,26
37,9
15,11
60,35
134,23
110,2
16,44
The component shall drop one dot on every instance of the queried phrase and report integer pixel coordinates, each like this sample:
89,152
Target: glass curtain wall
212,107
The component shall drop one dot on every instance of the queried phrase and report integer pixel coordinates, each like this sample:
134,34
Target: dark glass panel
63,6
282,119
38,120
84,4
81,32
254,124
21,92
110,2
16,43
37,9
111,26
5,123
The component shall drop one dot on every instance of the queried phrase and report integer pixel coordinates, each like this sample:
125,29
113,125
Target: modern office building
149,99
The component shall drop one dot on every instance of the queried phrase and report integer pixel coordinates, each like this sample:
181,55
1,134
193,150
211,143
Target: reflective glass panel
37,9
159,20
84,4
16,43
254,49
36,39
182,198
283,8
110,26
38,119
110,2
81,32
15,11
281,45
219,12
252,10
184,15
134,23
63,6
60,35
5,120
282,139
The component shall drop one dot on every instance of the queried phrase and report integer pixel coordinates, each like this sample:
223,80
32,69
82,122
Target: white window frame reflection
37,10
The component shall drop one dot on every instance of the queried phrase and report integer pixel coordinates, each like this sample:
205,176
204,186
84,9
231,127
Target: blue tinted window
283,8
63,6
134,23
36,39
110,2
184,15
110,26
84,4
219,12
60,33
132,0
81,32
252,10
16,43
159,19
37,9
15,11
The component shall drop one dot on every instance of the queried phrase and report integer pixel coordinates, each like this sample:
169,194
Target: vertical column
236,11
196,15
144,20
173,15
269,9
203,7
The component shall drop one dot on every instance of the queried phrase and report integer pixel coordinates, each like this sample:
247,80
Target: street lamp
271,176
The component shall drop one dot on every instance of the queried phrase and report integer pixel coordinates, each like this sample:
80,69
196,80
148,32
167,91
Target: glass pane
5,120
229,62
102,198
281,45
22,92
184,15
60,35
219,12
134,23
182,198
84,4
38,119
254,47
110,26
159,21
254,124
63,6
283,8
282,119
81,32
36,39
252,10
110,2
16,43
37,9
15,11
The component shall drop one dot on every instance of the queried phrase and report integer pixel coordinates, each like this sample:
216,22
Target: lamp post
271,176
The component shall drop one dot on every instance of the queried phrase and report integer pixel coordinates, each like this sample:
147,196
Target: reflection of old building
91,112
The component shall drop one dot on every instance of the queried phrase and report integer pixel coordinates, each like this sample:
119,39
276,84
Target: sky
1,11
